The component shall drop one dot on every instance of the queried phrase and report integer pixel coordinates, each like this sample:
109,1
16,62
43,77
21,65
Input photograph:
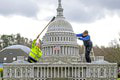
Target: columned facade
56,71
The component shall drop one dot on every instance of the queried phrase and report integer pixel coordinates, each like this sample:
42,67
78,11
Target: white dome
22,47
60,25
60,39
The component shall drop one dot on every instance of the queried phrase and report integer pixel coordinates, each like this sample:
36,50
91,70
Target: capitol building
61,58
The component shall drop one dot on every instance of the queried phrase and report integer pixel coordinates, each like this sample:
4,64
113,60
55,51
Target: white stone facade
60,70
61,59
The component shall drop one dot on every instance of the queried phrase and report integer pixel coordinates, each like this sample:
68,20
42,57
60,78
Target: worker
85,37
36,52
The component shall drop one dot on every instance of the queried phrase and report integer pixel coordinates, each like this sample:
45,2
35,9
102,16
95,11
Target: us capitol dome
60,38
61,59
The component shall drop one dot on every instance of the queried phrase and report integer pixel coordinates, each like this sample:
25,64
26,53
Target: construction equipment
36,52
45,27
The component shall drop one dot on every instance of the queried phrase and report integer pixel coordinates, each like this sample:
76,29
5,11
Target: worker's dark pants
87,53
31,60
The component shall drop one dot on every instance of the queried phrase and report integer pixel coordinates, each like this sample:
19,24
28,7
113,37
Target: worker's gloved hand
80,38
37,37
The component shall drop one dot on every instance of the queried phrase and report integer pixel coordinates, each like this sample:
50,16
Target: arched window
13,72
101,72
23,72
8,72
61,38
28,71
58,38
18,72
50,38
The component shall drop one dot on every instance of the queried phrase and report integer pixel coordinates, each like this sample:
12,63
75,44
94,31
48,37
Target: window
61,38
26,58
14,58
101,72
28,71
8,72
5,58
18,72
13,72
50,38
10,53
58,38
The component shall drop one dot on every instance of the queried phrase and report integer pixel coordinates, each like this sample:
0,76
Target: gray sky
100,17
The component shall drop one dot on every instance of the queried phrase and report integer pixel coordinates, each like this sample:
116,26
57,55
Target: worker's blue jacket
86,39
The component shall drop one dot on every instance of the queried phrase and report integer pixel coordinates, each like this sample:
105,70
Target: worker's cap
85,32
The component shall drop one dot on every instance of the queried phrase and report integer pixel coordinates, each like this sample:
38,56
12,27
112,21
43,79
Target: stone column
37,71
72,72
65,71
72,51
68,71
58,72
75,72
63,50
46,51
21,72
54,72
82,72
47,71
105,72
99,72
61,71
66,50
51,50
15,72
78,71
41,72
51,72
44,72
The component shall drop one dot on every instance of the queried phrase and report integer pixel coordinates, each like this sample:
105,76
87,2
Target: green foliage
7,40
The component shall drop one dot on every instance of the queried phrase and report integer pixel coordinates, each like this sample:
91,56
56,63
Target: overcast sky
28,17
